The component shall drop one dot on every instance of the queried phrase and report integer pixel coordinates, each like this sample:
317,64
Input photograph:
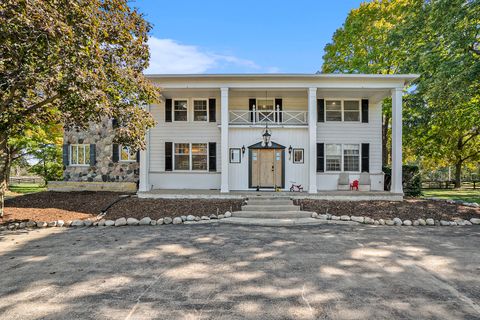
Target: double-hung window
200,110
351,110
333,110
180,110
199,156
182,156
191,156
351,157
333,157
79,154
127,154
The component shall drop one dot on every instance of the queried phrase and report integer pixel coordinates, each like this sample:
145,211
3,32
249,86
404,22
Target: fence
449,184
26,180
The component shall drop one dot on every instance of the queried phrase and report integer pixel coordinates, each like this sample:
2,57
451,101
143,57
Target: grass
468,195
26,188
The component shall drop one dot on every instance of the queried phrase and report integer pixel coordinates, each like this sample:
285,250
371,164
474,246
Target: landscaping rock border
397,221
459,202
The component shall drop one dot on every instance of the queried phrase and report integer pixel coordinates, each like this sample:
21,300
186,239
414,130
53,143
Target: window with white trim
180,110
80,154
351,157
199,156
333,110
200,110
351,110
182,156
127,154
333,157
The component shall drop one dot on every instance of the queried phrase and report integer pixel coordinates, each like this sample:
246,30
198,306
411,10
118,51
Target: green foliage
411,180
26,188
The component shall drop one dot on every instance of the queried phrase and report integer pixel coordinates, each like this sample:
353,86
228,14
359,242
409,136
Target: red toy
354,185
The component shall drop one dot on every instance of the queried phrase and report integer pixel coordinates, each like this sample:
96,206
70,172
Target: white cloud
169,56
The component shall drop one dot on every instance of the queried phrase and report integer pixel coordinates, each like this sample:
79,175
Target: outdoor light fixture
290,149
243,149
266,137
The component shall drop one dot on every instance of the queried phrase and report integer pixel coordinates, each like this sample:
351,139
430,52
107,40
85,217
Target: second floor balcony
270,117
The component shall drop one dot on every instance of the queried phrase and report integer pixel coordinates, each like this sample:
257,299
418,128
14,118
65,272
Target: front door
267,168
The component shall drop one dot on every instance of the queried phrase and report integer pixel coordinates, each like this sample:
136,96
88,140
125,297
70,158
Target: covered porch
320,195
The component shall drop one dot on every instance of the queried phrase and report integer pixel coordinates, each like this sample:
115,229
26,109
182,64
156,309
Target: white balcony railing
249,117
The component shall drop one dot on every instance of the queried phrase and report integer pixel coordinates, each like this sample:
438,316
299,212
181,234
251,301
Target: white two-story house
231,132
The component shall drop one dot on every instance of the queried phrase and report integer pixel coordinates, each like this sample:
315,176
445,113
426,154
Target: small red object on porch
354,185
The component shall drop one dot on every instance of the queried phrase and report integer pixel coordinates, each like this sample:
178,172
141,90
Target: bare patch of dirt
159,208
50,206
408,209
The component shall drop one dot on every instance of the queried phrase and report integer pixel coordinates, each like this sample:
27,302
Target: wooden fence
26,180
449,184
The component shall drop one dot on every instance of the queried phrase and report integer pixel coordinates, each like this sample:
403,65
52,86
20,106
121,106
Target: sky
245,36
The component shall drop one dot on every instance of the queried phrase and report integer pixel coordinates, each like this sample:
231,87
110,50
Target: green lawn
468,195
26,188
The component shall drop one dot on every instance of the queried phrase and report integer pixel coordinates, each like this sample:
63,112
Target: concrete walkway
220,271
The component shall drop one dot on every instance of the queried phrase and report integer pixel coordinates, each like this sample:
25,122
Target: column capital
224,90
397,90
312,90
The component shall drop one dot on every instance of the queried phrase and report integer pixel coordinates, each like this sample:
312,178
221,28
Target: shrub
411,180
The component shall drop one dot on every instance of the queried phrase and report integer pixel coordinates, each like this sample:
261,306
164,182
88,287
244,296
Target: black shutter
168,156
278,102
66,157
251,103
114,123
365,110
320,110
212,156
138,156
168,110
93,154
212,110
365,157
320,157
115,153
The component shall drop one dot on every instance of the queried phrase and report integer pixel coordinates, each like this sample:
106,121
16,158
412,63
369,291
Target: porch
320,195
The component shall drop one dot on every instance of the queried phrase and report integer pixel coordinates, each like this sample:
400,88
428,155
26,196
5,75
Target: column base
312,189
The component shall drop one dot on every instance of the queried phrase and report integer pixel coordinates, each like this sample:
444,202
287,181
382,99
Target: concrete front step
268,202
290,207
267,198
281,222
272,214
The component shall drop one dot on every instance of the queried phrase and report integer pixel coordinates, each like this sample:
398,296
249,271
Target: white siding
356,133
177,132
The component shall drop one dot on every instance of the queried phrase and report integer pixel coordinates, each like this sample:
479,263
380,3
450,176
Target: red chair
354,185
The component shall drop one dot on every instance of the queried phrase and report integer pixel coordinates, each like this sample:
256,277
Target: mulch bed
160,208
408,209
50,206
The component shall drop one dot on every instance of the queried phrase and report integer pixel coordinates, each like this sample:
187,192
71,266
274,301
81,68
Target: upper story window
180,110
126,154
80,154
342,110
200,110
333,110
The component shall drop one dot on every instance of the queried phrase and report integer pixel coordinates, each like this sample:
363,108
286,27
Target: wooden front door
267,168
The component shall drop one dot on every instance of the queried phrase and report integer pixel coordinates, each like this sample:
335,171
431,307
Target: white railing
249,117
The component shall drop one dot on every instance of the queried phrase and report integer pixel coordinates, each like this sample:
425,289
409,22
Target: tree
72,62
442,40
363,45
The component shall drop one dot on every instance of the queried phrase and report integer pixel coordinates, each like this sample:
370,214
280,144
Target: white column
312,139
144,183
224,139
396,186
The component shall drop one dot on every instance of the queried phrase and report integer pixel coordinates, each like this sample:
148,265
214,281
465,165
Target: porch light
266,138
243,149
290,149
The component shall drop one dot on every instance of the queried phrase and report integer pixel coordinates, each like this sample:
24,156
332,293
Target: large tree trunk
4,166
386,121
458,174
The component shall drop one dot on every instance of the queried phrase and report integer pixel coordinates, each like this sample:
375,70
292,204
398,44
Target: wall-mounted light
243,149
290,149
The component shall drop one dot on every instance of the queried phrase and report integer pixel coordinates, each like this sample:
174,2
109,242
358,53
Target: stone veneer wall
105,170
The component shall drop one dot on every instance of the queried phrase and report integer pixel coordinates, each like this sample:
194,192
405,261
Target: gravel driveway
219,271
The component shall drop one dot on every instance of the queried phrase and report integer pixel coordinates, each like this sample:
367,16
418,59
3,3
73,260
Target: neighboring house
213,130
